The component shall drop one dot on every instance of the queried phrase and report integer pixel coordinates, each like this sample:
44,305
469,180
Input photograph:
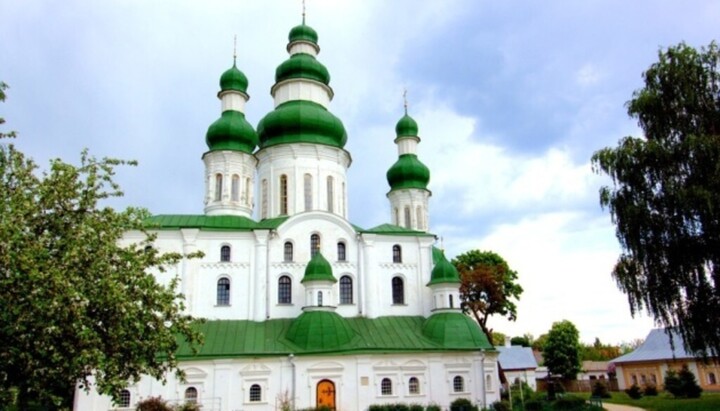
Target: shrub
533,405
398,407
600,389
462,404
500,406
691,389
673,384
378,408
634,392
188,406
153,404
416,407
433,407
569,403
650,391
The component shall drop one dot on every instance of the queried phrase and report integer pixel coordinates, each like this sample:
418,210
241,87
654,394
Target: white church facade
304,308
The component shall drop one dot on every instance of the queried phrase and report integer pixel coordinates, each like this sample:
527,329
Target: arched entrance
326,394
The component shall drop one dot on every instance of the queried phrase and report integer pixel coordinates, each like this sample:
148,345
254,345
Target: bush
153,404
188,406
634,392
600,389
433,407
533,405
416,407
673,384
378,408
500,406
650,391
462,404
569,403
691,389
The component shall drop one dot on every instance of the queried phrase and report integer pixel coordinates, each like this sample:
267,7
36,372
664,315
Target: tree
523,341
682,384
77,306
498,338
489,286
599,351
665,196
562,350
539,343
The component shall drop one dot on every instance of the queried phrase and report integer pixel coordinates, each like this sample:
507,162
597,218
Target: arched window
397,254
320,299
191,395
124,399
307,183
255,393
342,209
408,223
398,291
218,187
341,251
653,378
247,190
225,253
488,382
386,387
413,386
711,378
397,216
264,199
419,218
283,194
235,188
458,384
288,252
634,379
330,193
284,290
346,290
450,297
223,291
314,245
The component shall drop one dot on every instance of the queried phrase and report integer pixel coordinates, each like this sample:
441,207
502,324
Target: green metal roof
303,32
391,229
302,65
437,254
216,222
443,272
233,79
406,127
242,338
408,172
318,269
231,132
320,330
300,121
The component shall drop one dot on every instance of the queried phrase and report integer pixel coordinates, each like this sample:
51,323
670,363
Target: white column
260,275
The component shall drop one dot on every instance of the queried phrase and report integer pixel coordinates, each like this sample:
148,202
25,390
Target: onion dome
231,132
444,272
233,79
408,172
454,330
406,127
318,269
302,65
301,121
303,33
319,331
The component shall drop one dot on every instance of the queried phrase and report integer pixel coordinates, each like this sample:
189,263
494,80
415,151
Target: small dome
454,330
231,132
300,121
406,126
444,272
233,79
319,331
318,269
408,172
303,33
302,65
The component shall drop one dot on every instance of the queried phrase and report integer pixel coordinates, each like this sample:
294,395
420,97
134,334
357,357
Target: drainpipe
291,357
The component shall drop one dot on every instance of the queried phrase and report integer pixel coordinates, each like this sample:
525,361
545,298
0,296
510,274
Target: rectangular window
283,195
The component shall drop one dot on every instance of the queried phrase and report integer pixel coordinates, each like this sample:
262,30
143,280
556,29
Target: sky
511,98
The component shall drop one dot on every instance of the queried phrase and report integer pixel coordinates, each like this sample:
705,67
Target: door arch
325,394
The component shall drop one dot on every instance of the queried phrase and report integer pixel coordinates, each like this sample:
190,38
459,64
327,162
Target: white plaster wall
233,100
303,47
301,89
413,198
229,163
407,145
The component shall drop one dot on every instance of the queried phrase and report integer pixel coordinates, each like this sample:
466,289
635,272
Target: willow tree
78,307
665,196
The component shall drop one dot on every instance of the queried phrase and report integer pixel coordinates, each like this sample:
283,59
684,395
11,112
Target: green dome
303,33
318,269
233,79
302,65
300,121
231,132
319,331
444,272
454,330
408,172
406,127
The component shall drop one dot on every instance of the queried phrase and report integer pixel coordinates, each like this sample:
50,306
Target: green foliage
539,343
634,392
433,407
153,404
534,405
462,404
562,350
501,406
650,390
489,287
599,351
665,197
570,403
673,384
523,340
416,407
498,338
600,389
75,301
10,134
682,384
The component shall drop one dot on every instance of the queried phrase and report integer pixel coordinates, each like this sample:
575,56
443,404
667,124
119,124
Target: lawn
665,402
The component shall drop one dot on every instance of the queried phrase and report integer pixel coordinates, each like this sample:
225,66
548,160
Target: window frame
414,382
124,399
341,251
225,253
191,395
284,194
397,254
255,393
222,296
315,244
284,290
386,387
235,188
346,290
458,384
398,290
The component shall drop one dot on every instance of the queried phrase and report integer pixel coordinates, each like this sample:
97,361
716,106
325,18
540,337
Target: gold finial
303,13
234,49
405,104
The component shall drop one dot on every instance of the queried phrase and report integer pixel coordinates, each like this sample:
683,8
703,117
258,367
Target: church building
305,309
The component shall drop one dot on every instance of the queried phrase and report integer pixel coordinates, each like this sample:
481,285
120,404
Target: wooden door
326,394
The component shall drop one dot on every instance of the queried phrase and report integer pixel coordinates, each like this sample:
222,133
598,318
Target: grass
666,402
